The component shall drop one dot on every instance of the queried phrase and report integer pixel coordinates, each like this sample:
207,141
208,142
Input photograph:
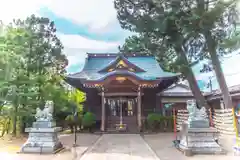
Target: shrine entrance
121,114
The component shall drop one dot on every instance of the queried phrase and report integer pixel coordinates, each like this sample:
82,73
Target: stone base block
200,141
198,124
41,143
188,152
44,124
42,149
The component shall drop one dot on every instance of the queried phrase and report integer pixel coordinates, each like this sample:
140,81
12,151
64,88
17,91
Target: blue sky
91,26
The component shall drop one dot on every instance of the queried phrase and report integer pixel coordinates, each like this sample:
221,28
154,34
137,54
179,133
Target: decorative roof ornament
121,62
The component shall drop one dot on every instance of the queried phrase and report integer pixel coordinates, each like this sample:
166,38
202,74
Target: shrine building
122,89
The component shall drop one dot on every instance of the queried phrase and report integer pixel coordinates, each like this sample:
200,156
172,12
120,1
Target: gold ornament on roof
122,63
121,79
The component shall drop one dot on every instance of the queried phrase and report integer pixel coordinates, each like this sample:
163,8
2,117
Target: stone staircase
129,125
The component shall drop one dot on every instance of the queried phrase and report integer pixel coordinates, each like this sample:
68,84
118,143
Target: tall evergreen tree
35,63
157,21
215,22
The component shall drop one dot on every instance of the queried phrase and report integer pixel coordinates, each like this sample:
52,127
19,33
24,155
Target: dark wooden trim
103,112
109,78
121,94
139,109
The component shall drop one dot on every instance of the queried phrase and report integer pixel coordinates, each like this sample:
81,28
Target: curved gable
121,63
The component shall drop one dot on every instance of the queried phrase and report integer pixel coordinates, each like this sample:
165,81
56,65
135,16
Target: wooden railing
222,120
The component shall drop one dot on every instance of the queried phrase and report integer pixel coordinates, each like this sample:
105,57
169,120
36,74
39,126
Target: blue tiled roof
147,63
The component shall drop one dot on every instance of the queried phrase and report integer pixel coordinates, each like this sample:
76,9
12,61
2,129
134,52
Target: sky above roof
91,26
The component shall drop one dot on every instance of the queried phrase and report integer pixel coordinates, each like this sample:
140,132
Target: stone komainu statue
46,113
194,112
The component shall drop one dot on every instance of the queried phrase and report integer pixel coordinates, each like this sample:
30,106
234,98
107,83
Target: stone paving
165,150
120,147
114,147
83,140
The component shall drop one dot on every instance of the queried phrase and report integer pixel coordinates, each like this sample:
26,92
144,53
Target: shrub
157,122
69,119
89,119
70,122
153,121
170,123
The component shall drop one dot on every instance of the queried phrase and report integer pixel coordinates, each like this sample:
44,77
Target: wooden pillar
103,112
158,108
222,105
139,110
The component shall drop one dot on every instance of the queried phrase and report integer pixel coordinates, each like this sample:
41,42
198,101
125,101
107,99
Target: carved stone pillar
139,110
103,112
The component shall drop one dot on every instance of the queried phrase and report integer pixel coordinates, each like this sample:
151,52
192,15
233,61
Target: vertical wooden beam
158,106
139,110
222,105
103,112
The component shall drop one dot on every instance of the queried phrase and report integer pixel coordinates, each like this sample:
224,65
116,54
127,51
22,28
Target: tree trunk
14,131
218,70
22,125
188,73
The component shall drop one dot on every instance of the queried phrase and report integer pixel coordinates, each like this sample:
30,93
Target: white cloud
77,41
230,65
13,9
97,14
88,12
76,46
75,56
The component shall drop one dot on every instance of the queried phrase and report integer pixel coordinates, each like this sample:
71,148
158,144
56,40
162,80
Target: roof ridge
126,55
117,60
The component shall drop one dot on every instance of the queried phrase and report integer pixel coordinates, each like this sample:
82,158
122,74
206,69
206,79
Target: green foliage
157,122
147,45
31,67
71,122
153,120
89,119
193,30
78,98
212,26
70,119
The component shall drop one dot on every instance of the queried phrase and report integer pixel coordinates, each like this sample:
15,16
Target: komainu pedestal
43,136
196,135
200,140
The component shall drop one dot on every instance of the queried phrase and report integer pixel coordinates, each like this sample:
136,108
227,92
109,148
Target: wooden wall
93,103
149,102
215,104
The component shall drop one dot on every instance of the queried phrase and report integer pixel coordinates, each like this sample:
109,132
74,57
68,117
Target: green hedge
89,120
157,122
71,123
